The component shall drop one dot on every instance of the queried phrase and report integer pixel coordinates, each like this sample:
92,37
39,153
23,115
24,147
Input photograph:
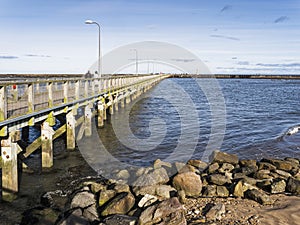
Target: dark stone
210,191
218,179
157,176
266,166
222,157
120,220
293,186
248,163
258,196
212,168
200,165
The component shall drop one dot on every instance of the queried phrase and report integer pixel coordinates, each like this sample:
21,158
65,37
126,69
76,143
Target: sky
229,36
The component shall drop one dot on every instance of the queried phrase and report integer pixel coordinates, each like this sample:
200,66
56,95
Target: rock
249,170
278,187
158,164
249,180
266,166
282,173
222,157
105,196
158,176
187,168
54,199
218,179
189,182
121,188
226,167
182,196
293,186
83,200
212,168
264,184
75,218
259,196
90,213
120,220
120,204
147,200
168,212
123,174
210,191
45,216
294,161
163,191
200,165
179,166
280,164
143,170
216,212
96,187
238,190
262,174
248,162
143,190
238,176
222,191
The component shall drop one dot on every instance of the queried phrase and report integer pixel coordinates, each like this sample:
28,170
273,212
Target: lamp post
99,53
136,61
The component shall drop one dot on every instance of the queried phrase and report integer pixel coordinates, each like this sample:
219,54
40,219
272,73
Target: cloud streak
183,60
8,57
289,65
281,19
40,56
225,37
226,8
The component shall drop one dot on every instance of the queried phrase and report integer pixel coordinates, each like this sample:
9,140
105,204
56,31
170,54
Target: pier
30,101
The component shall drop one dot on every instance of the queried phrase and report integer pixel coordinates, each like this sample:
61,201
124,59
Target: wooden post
47,145
128,98
15,92
116,102
77,87
93,86
88,121
70,130
111,107
86,88
3,103
104,109
66,88
30,98
9,154
100,109
50,94
122,100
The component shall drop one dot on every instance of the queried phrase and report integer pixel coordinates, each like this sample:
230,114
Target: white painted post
47,133
9,152
66,89
50,94
71,124
30,98
100,109
111,107
88,121
3,103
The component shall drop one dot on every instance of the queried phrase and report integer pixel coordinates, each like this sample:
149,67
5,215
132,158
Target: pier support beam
9,154
88,121
116,102
100,108
71,123
47,133
111,107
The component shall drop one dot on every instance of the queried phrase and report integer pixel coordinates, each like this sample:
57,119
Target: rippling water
176,116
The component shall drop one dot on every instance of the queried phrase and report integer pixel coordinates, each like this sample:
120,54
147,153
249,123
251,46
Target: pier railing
25,103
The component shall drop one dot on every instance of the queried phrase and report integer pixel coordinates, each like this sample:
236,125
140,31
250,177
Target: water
258,114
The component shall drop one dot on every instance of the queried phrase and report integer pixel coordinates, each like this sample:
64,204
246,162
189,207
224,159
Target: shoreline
222,185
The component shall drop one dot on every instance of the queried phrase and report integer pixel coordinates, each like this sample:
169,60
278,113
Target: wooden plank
60,131
3,103
36,144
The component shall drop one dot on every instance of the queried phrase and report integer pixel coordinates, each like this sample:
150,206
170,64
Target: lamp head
89,22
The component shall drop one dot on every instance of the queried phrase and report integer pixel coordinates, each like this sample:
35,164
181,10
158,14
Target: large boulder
189,182
168,212
120,204
223,157
83,200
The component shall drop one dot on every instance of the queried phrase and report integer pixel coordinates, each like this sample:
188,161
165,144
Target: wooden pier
27,102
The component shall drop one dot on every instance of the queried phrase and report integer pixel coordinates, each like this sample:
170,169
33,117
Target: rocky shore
225,191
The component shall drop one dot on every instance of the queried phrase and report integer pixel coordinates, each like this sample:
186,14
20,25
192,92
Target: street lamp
136,61
99,53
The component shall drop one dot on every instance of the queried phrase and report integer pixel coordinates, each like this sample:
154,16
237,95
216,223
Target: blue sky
230,36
